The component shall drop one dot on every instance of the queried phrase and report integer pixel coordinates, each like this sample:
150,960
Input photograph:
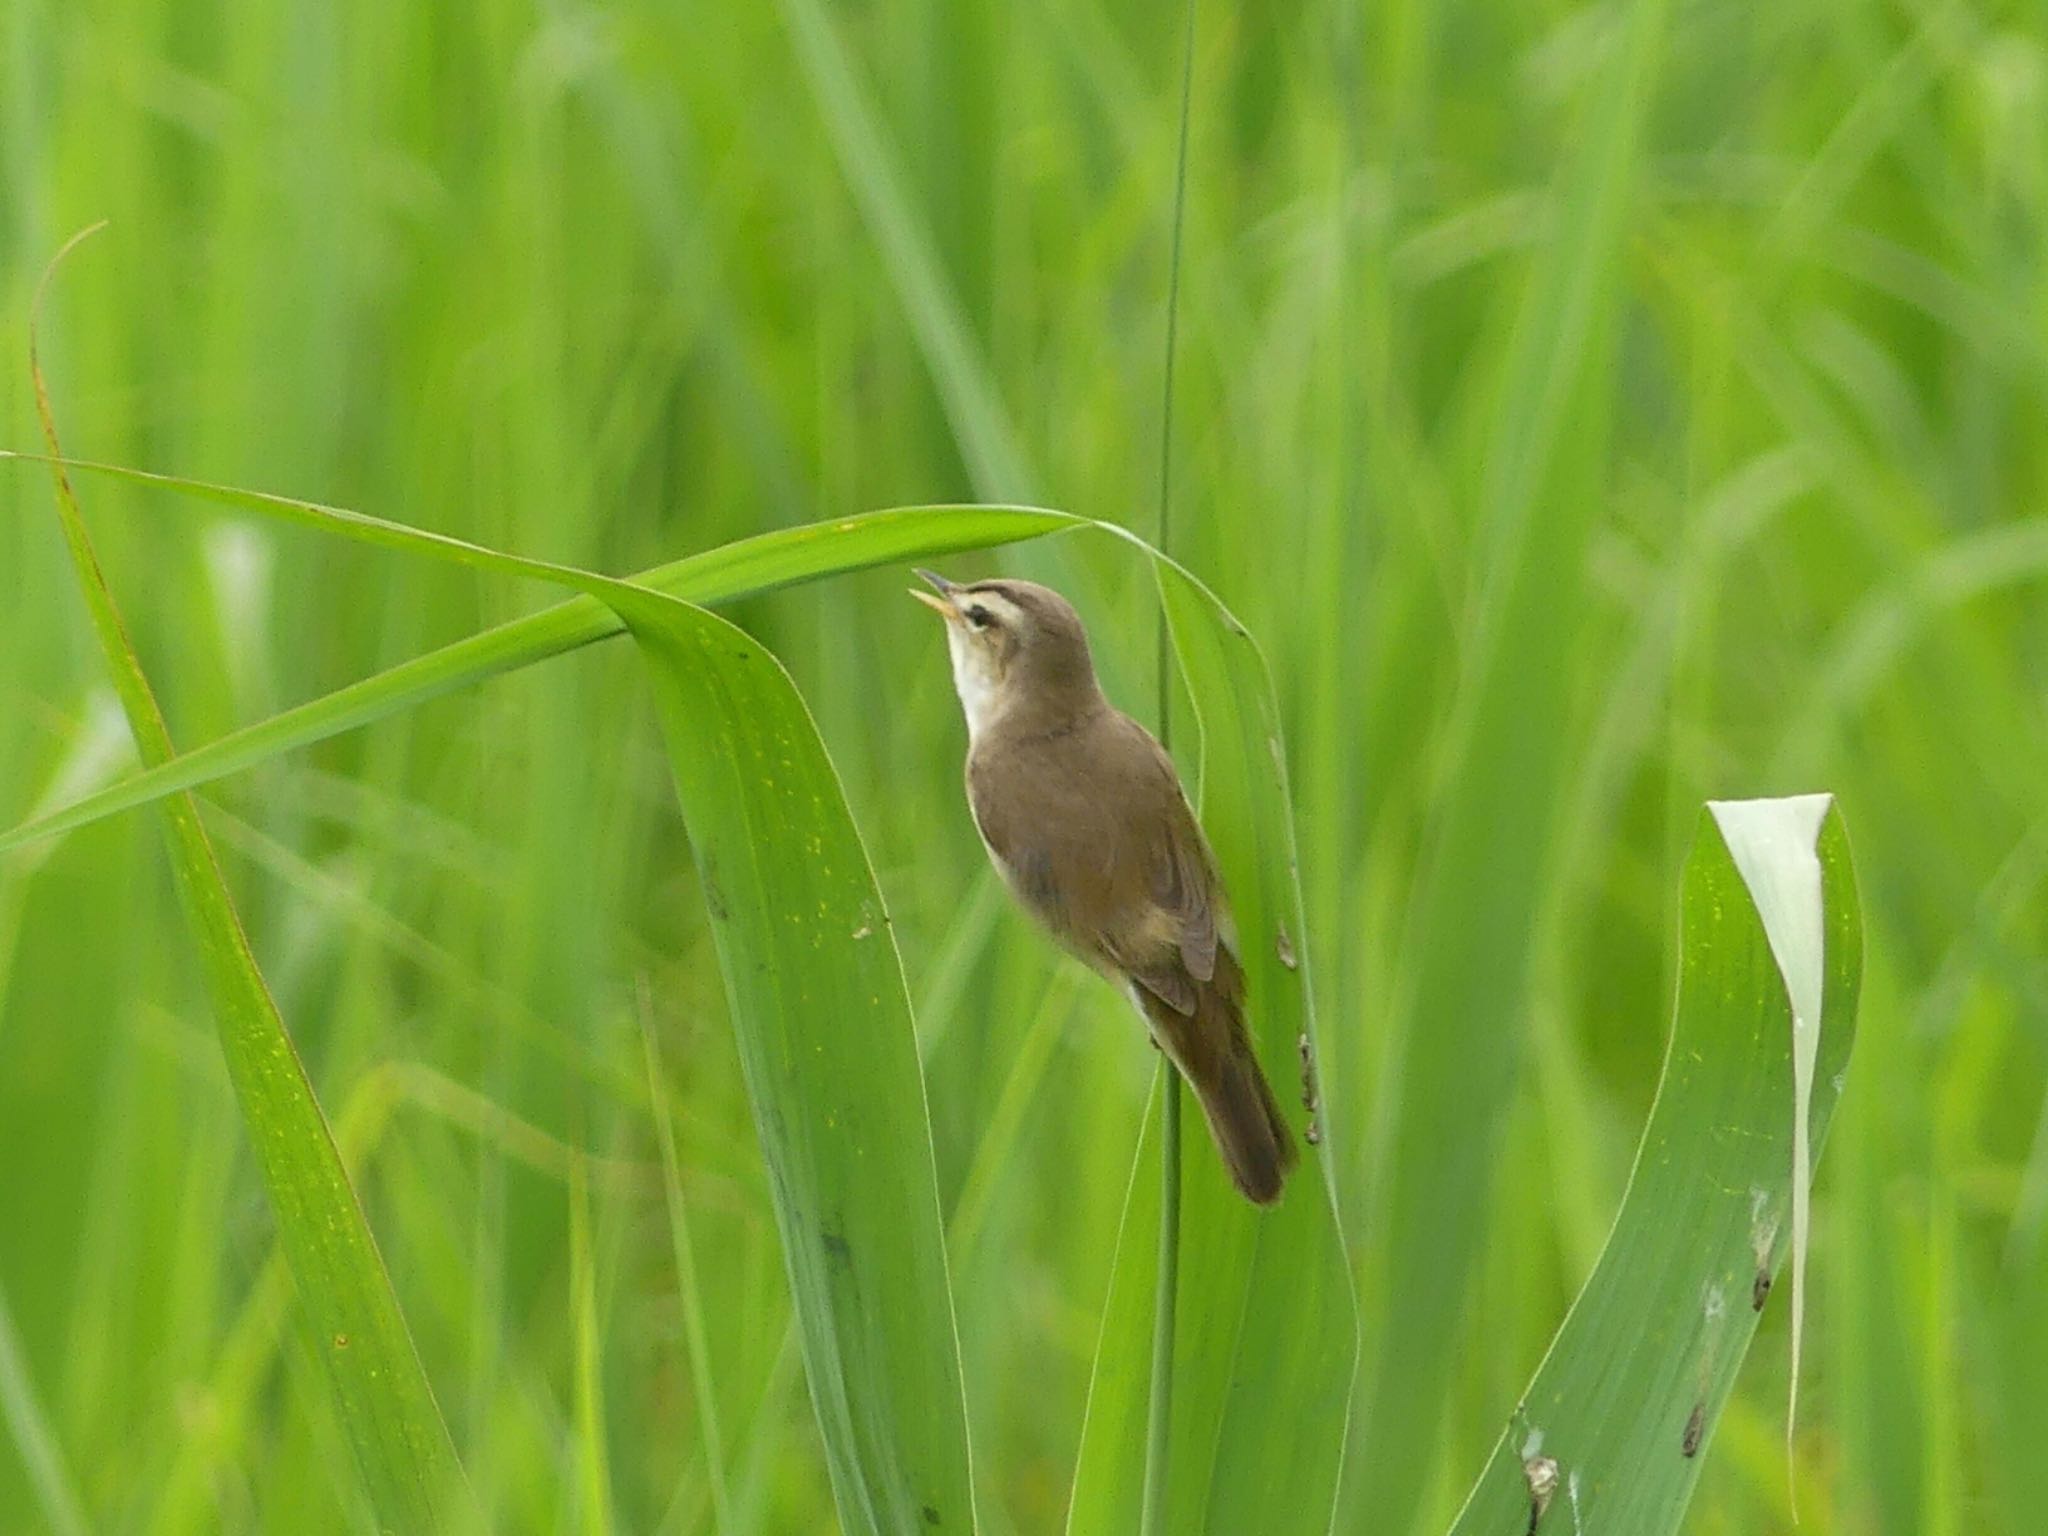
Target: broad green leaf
823,1015
1267,1332
410,1473
1622,1409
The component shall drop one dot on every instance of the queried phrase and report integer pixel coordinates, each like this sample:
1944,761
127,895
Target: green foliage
817,999
1623,1408
350,1317
1265,1312
724,574
818,1003
1757,376
1456,1039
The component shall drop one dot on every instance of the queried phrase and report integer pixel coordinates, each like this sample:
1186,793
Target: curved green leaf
1612,1430
830,1057
726,574
1268,1333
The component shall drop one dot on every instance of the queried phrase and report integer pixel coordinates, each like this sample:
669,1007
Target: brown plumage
1083,815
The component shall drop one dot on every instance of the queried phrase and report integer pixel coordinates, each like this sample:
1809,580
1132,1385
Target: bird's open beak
942,605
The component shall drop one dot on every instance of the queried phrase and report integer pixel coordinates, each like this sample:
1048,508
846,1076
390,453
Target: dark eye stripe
978,616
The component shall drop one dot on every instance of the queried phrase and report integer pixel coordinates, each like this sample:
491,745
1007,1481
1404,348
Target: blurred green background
1592,408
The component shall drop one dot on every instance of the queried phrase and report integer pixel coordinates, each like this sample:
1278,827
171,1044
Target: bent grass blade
1611,1434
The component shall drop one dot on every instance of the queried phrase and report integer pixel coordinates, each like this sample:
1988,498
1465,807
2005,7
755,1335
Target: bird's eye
979,617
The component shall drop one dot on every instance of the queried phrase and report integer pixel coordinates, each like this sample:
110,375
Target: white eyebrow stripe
997,604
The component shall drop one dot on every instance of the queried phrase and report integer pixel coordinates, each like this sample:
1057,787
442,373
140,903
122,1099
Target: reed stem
1159,1415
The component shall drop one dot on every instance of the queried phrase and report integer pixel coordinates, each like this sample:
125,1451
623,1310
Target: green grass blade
593,1460
823,1013
696,1337
726,574
1109,1472
407,1460
974,406
1266,1314
1624,1405
29,1428
1166,1307
1462,998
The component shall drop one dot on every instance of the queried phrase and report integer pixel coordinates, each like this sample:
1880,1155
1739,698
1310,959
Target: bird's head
1014,644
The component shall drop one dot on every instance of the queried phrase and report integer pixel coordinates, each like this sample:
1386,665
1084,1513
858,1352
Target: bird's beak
942,605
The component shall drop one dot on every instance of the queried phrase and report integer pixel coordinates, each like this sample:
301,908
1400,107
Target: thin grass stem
1159,1412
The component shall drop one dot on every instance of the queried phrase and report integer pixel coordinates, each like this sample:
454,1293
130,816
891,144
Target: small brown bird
1083,814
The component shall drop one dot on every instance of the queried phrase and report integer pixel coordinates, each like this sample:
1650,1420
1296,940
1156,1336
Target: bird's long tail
1213,1050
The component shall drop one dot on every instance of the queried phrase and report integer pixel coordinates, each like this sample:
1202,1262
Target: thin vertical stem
1159,1416
1163,539
695,1335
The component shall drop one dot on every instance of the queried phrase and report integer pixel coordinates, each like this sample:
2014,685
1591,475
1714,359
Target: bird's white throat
974,680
